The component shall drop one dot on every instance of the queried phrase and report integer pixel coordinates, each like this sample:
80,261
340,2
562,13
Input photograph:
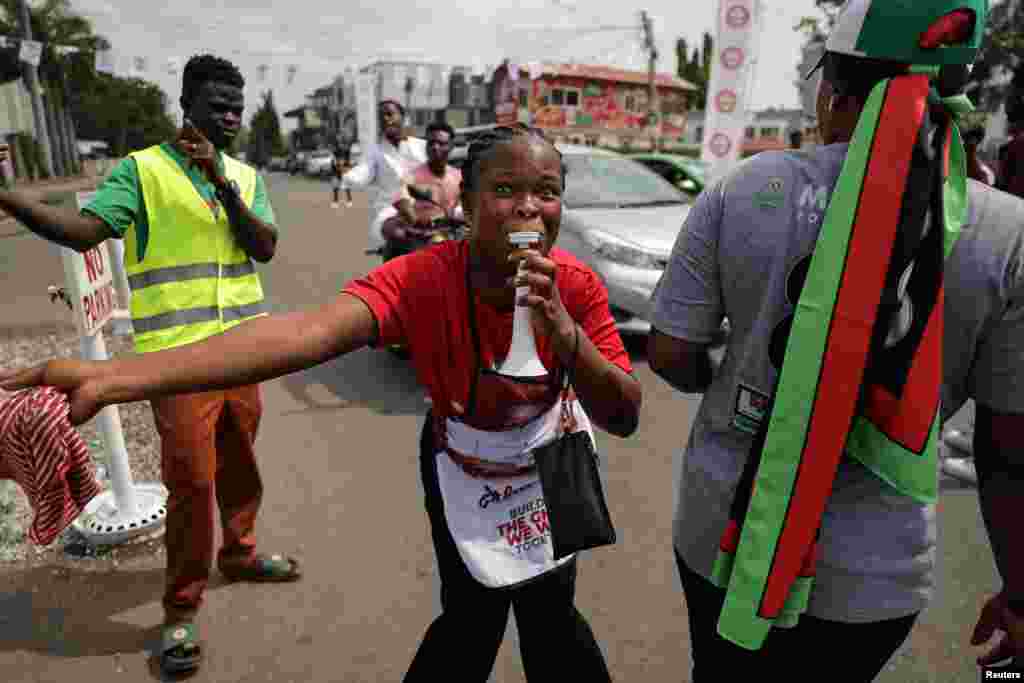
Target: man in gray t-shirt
741,245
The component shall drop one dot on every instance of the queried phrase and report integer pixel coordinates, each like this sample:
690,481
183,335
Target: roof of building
609,73
779,113
794,116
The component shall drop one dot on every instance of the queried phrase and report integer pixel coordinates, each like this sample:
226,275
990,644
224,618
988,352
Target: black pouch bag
570,478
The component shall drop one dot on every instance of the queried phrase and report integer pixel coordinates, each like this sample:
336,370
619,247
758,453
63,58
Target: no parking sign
89,283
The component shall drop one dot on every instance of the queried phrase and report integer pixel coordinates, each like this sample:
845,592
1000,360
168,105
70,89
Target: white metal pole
121,323
120,275
94,347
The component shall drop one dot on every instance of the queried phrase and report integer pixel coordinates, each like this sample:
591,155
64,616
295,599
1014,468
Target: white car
318,163
621,219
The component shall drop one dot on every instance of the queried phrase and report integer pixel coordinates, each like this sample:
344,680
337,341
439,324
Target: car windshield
605,181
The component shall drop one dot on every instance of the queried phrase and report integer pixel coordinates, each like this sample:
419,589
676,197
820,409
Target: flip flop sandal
265,569
180,650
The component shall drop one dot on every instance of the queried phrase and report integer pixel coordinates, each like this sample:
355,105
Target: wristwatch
230,189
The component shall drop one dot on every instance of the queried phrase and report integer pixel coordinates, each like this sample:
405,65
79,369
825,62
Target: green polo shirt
119,202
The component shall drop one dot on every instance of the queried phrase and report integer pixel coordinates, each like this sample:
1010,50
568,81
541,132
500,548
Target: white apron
500,524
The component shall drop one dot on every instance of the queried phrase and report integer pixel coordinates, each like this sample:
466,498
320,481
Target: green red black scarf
847,383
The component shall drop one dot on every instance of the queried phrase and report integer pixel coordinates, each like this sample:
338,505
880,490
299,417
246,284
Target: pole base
102,524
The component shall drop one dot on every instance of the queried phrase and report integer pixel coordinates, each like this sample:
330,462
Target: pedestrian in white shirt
384,165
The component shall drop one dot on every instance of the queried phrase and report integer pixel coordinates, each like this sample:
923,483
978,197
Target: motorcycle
401,238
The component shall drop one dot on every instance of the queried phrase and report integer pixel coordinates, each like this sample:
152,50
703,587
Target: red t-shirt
420,300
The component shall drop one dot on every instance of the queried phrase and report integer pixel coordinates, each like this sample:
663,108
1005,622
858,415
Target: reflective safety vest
194,280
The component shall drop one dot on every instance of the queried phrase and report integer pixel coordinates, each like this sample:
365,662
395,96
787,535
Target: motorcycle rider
434,179
384,165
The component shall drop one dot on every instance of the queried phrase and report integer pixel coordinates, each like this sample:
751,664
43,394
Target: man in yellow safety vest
193,219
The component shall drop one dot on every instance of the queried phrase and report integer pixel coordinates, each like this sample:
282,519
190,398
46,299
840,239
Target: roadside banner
726,112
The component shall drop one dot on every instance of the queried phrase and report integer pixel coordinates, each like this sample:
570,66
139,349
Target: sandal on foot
265,569
180,651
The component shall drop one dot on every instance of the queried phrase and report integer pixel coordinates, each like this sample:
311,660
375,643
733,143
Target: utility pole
653,110
32,82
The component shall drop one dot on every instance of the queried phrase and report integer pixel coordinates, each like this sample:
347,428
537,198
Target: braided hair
483,145
202,69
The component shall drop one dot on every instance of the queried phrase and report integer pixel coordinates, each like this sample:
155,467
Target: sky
320,38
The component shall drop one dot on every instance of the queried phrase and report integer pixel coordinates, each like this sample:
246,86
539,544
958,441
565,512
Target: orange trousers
208,462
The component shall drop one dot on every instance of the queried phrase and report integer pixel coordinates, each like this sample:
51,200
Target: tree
1002,49
696,69
126,113
265,139
54,23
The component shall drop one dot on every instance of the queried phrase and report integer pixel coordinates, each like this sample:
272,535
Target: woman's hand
81,381
549,315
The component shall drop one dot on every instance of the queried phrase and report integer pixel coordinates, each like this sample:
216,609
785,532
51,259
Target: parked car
297,162
318,163
621,219
686,173
277,164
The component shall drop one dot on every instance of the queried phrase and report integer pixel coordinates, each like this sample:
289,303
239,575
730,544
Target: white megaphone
522,359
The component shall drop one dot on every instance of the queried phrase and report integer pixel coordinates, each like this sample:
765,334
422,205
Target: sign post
133,509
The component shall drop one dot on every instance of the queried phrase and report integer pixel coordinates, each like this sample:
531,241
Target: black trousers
462,643
852,653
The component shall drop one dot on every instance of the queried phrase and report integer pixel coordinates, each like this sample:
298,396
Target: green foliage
265,139
696,68
1002,48
54,22
126,113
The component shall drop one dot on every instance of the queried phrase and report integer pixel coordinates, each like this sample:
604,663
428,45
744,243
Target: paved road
338,450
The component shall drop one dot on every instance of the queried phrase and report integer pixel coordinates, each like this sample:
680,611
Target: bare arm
611,397
359,177
257,237
686,366
253,352
62,226
999,458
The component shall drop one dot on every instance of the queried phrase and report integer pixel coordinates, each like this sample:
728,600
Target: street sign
89,280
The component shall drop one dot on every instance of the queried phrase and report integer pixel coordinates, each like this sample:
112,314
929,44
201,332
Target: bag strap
567,417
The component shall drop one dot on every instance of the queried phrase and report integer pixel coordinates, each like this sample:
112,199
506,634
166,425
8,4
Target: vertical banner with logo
366,110
726,111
